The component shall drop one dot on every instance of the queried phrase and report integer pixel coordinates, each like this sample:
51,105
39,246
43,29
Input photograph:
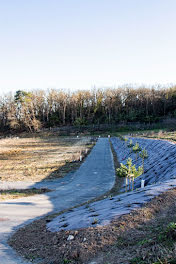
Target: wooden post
129,183
133,184
143,164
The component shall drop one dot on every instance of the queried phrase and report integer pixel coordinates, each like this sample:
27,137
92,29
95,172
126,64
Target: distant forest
32,110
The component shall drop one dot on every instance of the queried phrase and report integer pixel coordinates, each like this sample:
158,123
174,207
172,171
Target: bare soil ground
39,157
147,235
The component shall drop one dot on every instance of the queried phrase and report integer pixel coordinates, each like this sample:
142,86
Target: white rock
70,237
84,239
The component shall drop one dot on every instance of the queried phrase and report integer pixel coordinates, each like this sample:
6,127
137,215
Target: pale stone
70,237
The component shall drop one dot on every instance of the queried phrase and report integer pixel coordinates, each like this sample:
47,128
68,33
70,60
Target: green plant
95,221
171,226
121,242
126,140
137,260
168,235
121,137
145,242
136,149
130,144
144,155
129,171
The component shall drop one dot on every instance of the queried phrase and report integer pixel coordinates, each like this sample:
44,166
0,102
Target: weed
137,260
169,234
95,221
145,242
66,261
31,257
121,242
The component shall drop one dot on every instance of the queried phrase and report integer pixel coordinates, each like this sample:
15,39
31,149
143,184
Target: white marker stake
109,136
80,158
142,183
86,150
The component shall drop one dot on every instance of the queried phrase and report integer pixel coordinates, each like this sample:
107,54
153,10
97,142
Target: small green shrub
126,140
136,149
66,261
130,145
129,169
95,221
144,155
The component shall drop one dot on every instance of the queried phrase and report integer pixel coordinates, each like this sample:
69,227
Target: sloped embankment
160,164
159,169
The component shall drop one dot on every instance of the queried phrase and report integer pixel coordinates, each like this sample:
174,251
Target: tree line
33,110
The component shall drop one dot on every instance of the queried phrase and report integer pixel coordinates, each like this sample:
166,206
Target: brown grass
136,238
165,135
40,157
14,194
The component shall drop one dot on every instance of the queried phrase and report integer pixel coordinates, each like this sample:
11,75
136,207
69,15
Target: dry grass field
39,157
165,135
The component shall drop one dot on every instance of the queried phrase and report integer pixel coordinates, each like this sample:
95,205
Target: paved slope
159,167
160,164
102,212
95,176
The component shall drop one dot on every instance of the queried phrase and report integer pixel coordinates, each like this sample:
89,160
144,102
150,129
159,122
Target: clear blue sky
77,44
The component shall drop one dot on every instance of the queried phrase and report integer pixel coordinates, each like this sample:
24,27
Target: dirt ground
39,157
145,236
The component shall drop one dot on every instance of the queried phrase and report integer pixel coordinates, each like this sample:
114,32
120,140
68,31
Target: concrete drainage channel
159,175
